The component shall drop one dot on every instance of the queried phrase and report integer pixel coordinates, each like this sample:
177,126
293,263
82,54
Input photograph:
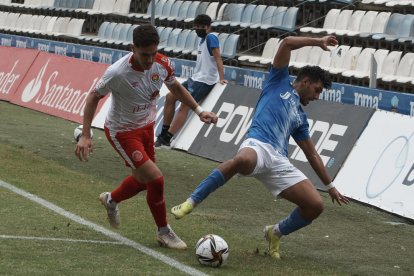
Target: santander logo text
46,89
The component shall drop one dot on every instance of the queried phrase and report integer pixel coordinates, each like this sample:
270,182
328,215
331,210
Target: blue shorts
199,90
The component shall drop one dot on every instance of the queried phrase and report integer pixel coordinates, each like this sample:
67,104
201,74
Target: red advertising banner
14,64
59,85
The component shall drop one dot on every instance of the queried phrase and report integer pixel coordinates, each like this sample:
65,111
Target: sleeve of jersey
169,67
212,42
277,75
102,87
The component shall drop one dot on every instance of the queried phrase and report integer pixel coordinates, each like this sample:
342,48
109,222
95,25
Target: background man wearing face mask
208,71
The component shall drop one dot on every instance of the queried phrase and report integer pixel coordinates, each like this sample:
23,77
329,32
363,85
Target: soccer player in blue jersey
208,71
264,153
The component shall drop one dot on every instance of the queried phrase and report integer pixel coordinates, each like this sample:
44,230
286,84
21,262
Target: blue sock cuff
213,181
293,222
217,173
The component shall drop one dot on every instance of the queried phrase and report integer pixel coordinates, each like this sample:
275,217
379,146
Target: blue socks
208,185
293,222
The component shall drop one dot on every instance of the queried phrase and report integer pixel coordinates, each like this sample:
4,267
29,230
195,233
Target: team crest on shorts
137,156
155,77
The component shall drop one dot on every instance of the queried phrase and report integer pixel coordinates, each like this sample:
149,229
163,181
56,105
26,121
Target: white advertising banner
380,169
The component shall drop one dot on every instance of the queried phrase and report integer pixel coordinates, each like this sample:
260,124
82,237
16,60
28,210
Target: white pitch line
150,252
56,239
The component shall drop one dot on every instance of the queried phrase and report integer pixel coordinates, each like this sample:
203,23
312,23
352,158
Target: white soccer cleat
171,240
111,209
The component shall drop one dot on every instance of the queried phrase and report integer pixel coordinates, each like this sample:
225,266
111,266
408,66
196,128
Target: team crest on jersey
155,77
137,156
285,96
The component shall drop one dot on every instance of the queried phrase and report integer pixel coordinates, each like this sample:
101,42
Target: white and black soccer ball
78,132
212,250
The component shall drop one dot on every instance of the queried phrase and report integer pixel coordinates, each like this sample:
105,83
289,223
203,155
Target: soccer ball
78,131
212,250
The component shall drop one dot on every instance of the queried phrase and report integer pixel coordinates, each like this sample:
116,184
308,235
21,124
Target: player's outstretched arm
85,144
316,162
291,43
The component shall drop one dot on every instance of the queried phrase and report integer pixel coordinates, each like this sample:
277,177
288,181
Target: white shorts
272,168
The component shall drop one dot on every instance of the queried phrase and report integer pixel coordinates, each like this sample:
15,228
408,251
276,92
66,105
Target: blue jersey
278,113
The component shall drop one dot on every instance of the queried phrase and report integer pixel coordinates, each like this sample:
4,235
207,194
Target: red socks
155,196
156,201
128,188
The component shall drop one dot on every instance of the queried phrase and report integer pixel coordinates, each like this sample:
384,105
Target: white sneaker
171,240
112,211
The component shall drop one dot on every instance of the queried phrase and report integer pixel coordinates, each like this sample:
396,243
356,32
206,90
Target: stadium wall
341,93
371,152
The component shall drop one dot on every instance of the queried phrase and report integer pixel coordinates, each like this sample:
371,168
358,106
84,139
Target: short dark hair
202,19
315,74
145,35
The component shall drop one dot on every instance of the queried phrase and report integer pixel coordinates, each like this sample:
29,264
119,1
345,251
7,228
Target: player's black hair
145,35
203,20
315,74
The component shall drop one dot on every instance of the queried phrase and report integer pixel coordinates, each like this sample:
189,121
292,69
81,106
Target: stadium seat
165,34
349,61
337,57
172,40
175,11
289,20
220,12
341,22
391,27
121,7
230,46
107,33
182,13
129,36
267,53
266,18
212,10
232,13
403,70
353,24
181,41
301,57
390,64
256,17
202,8
141,15
192,10
329,22
123,34
365,25
100,34
405,29
246,16
276,18
363,65
190,43
378,26
157,12
166,10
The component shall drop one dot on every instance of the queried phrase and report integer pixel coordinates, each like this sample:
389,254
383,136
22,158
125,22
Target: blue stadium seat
181,41
230,46
392,26
256,17
189,44
172,40
246,16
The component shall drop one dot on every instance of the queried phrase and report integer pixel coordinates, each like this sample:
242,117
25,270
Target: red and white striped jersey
134,93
